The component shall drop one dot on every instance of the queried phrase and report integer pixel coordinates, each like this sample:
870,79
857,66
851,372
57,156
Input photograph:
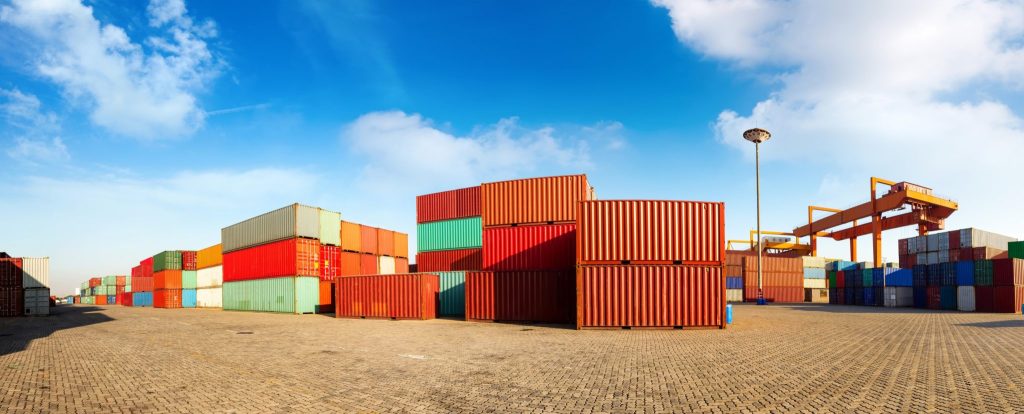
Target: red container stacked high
529,243
782,279
12,293
658,264
1008,285
449,205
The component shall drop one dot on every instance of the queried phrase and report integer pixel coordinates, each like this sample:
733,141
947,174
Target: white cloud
139,90
35,133
880,88
407,151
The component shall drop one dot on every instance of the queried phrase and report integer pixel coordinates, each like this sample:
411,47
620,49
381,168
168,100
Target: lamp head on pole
757,135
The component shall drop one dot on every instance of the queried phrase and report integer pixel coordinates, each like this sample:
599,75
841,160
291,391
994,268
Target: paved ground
780,358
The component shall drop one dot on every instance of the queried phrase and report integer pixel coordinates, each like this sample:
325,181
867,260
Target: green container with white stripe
464,233
279,294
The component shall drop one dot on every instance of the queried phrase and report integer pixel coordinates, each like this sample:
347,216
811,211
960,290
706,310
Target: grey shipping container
972,237
899,297
293,221
37,302
36,272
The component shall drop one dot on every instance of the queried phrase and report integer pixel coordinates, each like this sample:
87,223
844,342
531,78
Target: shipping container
330,262
964,271
209,257
450,260
167,298
900,278
972,237
120,281
546,200
814,273
1016,250
734,295
451,294
965,299
869,297
368,239
35,272
402,265
734,282
210,277
408,296
776,294
294,221
325,302
12,275
464,233
350,263
650,296
816,295
898,296
210,297
1007,299
147,267
351,237
401,245
448,205
984,298
983,273
189,279
98,299
385,265
36,301
385,242
522,296
1008,272
167,260
651,232
188,260
280,294
142,284
167,279
93,281
188,298
291,257
109,280
368,264
541,247
815,284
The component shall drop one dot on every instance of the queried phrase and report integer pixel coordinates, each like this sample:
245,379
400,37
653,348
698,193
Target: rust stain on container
650,296
520,296
448,205
651,232
545,200
541,247
405,296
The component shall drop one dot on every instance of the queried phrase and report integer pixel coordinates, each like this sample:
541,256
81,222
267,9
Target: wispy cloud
237,109
35,133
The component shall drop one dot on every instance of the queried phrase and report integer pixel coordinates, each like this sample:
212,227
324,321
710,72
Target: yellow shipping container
401,245
351,238
209,257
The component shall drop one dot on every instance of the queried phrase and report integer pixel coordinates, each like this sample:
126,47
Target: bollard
728,314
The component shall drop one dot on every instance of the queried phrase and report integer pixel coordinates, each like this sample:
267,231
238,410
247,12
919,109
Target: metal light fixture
757,136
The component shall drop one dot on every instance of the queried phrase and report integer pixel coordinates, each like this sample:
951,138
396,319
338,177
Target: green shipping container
867,277
464,233
1017,250
982,273
452,295
279,294
831,279
169,260
109,280
330,228
188,279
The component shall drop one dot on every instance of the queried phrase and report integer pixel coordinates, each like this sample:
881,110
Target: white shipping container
899,297
296,220
37,301
943,241
943,256
78,291
386,265
816,295
814,262
980,238
815,284
210,277
965,298
36,272
734,295
209,297
922,258
933,243
933,258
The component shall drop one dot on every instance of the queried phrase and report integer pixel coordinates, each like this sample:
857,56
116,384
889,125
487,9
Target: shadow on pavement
17,333
820,307
1013,323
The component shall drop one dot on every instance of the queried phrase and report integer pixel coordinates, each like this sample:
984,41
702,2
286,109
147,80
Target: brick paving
801,358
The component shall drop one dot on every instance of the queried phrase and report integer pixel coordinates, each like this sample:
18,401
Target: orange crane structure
926,211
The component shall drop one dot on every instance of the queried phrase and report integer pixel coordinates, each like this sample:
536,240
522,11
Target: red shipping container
12,301
1007,299
450,260
136,272
775,279
368,239
401,265
774,264
984,298
119,280
841,279
330,262
290,257
398,296
934,297
1008,272
776,294
907,261
188,260
904,247
350,263
99,299
545,200
167,298
167,279
954,239
385,242
544,247
118,291
650,296
651,232
523,296
142,284
448,205
147,267
95,281
11,274
125,298
954,254
368,264
326,302
989,253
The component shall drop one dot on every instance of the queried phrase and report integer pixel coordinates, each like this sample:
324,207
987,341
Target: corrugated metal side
188,298
779,294
142,284
35,272
281,294
330,262
350,263
401,245
209,297
452,293
368,264
330,228
448,205
210,277
12,301
141,299
1008,272
450,260
464,233
408,296
167,260
522,296
166,298
147,267
402,265
533,200
1007,299
650,296
351,237
291,257
541,247
326,302
368,239
12,275
167,279
965,299
188,260
385,242
667,232
385,265
284,223
188,279
209,257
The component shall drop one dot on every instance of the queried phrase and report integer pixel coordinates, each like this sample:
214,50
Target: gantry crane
774,246
927,212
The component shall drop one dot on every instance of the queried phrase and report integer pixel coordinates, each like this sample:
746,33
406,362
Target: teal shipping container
464,233
947,298
452,294
188,280
188,298
279,294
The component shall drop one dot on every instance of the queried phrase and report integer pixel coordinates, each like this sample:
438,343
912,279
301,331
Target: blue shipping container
111,299
849,296
452,293
188,298
920,275
814,273
920,297
841,265
947,274
869,296
900,277
964,273
141,299
948,297
734,283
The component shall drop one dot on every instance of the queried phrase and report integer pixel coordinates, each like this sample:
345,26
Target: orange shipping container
407,296
401,265
351,263
326,302
351,237
650,296
209,257
368,264
368,236
167,279
545,200
651,232
385,242
100,299
401,245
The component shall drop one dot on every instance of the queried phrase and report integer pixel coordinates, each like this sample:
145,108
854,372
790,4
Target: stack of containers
188,278
36,282
209,277
12,292
650,264
1007,286
167,278
271,262
1016,250
783,279
362,250
109,287
836,272
734,275
529,241
963,272
454,216
815,282
899,290
142,283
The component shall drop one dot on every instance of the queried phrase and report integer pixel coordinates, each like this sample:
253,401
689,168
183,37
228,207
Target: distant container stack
142,283
209,277
168,280
189,278
650,264
734,275
449,240
36,282
782,279
815,280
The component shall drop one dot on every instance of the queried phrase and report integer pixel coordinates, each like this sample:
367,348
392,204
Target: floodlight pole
757,136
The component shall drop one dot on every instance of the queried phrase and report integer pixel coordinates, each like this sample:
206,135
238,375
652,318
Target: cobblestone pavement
801,358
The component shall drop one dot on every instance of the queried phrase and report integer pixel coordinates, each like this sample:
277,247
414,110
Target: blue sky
135,128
